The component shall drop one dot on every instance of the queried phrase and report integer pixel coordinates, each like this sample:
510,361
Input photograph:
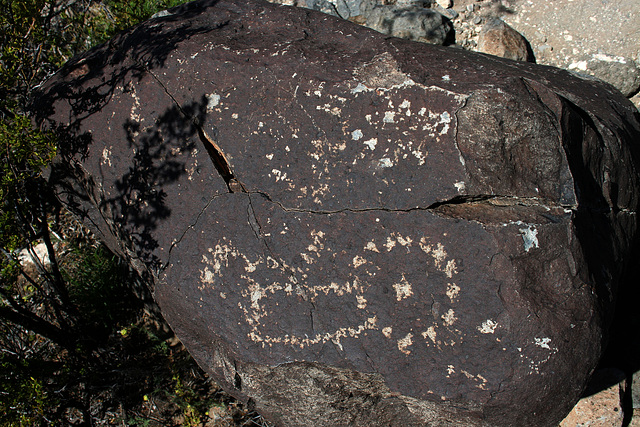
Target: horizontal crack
486,199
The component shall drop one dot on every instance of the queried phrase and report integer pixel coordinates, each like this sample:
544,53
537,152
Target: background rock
411,23
567,32
499,39
636,390
621,72
303,193
597,39
344,9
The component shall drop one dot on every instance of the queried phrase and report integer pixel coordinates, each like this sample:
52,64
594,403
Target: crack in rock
218,157
483,208
190,227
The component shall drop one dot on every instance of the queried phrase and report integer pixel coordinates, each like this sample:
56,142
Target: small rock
346,9
219,415
39,251
545,48
161,14
499,39
636,100
541,38
477,20
445,3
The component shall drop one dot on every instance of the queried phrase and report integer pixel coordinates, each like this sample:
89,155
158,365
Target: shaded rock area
345,228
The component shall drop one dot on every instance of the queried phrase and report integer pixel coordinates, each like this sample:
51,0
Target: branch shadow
130,215
127,208
87,82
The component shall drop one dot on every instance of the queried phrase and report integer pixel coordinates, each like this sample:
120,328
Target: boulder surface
346,228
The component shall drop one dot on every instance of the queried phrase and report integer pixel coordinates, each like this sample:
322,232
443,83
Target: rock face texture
497,38
412,23
597,39
345,228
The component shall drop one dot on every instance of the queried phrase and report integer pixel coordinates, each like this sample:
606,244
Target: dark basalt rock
349,229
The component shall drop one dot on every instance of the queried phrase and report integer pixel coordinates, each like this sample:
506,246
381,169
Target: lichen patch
529,237
358,261
403,289
488,327
449,318
453,291
371,246
371,143
213,100
430,333
362,302
106,156
543,342
389,117
405,342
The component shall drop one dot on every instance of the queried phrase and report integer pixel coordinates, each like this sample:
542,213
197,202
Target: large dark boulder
349,229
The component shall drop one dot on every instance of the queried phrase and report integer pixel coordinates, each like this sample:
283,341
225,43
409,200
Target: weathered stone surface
349,229
620,72
411,23
345,9
498,38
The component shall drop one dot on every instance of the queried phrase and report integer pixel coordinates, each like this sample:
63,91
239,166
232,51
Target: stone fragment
37,255
636,100
346,228
411,23
499,39
445,3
